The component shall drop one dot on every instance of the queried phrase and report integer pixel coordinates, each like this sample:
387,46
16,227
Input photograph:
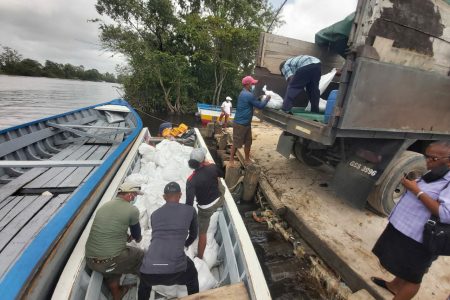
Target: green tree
184,51
29,67
53,69
9,60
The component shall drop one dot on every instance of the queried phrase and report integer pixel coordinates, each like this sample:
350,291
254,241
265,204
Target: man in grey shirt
165,262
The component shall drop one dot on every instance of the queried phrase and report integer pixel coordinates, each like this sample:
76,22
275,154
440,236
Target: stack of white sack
167,162
276,101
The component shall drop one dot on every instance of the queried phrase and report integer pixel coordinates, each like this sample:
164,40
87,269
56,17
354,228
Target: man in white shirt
226,111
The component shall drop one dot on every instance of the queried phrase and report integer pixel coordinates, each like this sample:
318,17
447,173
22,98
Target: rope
159,119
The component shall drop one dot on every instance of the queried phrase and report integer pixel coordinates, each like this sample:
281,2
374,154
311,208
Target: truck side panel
387,97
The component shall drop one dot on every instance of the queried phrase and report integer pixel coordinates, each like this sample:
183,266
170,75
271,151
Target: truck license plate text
362,168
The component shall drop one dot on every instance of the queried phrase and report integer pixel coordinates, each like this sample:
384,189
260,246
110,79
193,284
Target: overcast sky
58,30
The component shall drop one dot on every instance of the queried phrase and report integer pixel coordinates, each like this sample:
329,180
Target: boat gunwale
255,275
16,278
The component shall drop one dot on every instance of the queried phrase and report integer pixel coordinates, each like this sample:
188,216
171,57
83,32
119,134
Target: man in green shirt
106,249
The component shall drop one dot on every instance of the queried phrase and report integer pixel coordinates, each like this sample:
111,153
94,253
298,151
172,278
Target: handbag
436,237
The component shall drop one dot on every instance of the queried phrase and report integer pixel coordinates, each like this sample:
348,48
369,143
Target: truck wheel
385,195
303,154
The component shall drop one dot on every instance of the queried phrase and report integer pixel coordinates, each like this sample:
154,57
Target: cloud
305,17
57,30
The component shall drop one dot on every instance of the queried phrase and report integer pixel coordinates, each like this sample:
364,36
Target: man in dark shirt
165,262
242,129
203,185
301,72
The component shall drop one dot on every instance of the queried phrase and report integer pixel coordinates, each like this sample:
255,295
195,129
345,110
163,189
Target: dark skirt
402,256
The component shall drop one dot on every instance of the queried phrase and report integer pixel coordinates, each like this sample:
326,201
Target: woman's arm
430,203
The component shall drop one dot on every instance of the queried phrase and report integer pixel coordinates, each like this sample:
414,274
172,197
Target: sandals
381,283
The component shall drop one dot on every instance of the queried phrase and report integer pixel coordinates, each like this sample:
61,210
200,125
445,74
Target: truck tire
385,195
303,154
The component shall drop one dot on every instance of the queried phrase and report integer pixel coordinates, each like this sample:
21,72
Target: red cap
249,80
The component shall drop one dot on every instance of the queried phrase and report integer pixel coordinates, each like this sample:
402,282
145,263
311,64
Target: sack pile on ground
167,162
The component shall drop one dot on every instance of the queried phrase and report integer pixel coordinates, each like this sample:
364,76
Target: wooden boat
238,270
53,172
211,113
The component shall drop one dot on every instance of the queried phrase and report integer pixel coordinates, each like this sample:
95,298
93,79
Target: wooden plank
10,253
16,208
48,163
53,172
278,48
12,187
81,133
25,140
275,203
79,174
9,204
125,129
232,291
34,204
120,136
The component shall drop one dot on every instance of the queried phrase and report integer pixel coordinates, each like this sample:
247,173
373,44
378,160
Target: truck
393,96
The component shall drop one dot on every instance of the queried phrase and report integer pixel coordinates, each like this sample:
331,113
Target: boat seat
94,289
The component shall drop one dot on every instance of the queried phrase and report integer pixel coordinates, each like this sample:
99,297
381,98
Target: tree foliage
11,63
183,51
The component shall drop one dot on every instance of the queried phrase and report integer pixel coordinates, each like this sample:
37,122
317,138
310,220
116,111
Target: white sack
325,80
206,279
136,178
276,101
210,254
322,105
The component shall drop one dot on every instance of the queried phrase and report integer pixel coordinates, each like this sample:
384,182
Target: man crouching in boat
106,249
165,262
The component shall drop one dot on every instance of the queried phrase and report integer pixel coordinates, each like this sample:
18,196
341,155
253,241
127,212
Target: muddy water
284,272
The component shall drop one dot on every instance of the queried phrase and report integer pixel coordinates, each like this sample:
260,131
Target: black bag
436,236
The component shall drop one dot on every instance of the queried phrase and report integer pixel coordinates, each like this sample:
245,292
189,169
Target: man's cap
130,187
249,80
198,154
163,126
228,98
172,187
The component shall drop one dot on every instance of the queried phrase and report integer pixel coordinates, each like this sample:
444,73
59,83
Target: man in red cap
242,129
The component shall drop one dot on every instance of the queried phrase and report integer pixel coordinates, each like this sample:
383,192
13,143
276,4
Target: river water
24,99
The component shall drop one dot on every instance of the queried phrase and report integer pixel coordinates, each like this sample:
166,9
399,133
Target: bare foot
247,162
231,163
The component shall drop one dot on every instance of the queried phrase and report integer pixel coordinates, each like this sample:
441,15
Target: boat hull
33,274
211,113
240,263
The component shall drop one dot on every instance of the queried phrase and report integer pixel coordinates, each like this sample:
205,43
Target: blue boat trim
17,276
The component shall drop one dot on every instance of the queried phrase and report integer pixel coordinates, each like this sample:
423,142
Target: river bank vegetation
180,52
12,63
